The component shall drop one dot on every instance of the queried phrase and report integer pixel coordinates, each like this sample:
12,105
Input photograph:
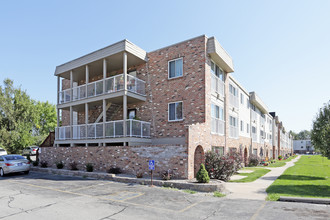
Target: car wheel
2,174
26,172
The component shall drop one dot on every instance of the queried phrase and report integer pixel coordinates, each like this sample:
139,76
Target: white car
13,164
3,151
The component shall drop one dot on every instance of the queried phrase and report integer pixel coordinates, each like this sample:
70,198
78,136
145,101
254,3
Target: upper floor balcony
109,85
217,85
233,101
254,116
233,131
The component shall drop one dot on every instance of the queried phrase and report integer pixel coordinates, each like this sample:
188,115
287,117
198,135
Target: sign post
151,168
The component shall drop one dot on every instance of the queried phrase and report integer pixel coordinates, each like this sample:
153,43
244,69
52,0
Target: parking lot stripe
188,207
98,197
87,187
258,211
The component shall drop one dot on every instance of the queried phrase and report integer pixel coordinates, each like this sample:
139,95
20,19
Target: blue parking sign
151,165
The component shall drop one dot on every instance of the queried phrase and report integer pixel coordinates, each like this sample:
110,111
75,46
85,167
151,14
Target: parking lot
44,196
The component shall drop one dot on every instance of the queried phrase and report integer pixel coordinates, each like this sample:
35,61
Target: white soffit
219,55
254,99
113,49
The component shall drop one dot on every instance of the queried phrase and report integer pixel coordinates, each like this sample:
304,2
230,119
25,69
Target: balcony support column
71,85
125,94
104,73
86,121
87,78
104,118
71,122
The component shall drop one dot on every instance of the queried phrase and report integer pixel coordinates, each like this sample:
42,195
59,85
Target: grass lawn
309,177
250,177
277,164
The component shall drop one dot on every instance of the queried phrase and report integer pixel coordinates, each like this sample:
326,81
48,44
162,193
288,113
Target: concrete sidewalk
257,189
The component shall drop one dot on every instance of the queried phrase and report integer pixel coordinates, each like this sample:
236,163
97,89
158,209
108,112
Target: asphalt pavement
46,196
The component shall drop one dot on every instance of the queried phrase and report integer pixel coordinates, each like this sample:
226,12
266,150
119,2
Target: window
217,71
217,112
261,133
242,125
175,68
232,90
175,112
218,150
233,121
131,113
247,128
247,103
242,99
254,130
255,150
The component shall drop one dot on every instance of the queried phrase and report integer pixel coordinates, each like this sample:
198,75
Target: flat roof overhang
113,54
219,55
254,99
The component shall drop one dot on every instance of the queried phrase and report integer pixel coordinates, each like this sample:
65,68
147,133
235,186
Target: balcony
112,84
262,122
233,131
113,129
254,116
218,126
254,137
217,85
233,100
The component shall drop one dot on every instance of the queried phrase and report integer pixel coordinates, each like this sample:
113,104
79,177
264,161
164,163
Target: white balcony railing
63,133
112,84
254,137
217,85
79,131
218,126
254,116
262,122
113,129
233,100
233,131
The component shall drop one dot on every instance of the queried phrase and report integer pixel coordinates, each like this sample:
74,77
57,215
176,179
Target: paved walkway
257,190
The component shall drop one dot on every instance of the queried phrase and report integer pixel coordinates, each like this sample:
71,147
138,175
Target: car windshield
14,157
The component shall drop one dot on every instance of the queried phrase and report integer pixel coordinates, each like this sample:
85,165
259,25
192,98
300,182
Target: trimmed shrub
253,160
202,175
222,167
167,175
114,170
43,164
73,165
89,167
59,165
280,157
35,163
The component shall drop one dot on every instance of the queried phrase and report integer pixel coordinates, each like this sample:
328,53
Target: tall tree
23,121
320,135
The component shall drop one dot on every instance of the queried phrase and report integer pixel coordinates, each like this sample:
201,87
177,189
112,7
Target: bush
59,165
167,175
43,164
73,165
222,167
115,170
35,163
89,167
253,160
202,176
280,157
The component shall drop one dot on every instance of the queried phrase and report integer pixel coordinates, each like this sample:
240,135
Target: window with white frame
247,128
217,112
175,68
217,71
233,90
242,99
242,126
247,103
175,111
233,121
254,130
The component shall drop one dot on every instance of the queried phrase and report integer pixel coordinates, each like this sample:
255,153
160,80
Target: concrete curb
304,200
214,185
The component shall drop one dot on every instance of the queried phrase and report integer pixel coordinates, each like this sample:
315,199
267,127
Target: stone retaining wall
130,159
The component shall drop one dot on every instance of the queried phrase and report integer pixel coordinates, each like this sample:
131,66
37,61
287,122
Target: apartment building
303,147
182,96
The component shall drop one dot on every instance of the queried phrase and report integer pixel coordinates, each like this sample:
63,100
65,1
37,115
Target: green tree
23,121
320,135
202,175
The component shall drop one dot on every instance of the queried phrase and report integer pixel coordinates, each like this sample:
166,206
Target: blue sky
281,49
